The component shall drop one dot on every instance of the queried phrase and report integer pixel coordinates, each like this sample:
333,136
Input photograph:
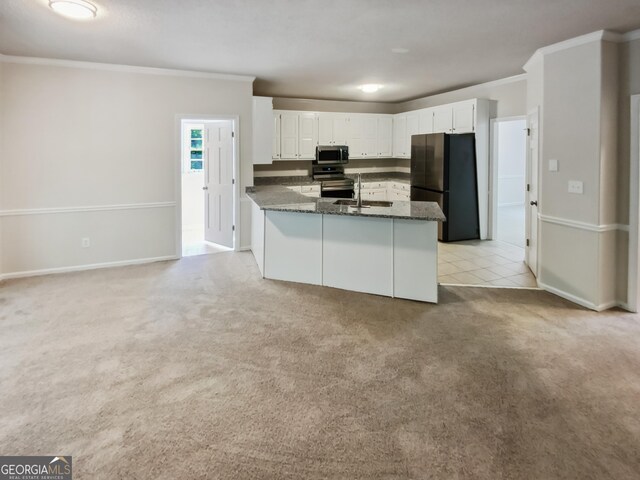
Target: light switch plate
576,186
553,165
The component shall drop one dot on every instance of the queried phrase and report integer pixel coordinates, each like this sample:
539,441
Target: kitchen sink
365,203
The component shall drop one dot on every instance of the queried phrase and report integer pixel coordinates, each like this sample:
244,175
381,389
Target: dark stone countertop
279,198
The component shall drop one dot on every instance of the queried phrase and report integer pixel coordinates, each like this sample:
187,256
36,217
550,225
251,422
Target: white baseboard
79,268
581,301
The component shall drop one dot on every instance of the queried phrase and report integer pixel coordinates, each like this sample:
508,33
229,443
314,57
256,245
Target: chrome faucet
359,204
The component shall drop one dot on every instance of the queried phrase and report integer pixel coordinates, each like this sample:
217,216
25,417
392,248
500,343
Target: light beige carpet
200,369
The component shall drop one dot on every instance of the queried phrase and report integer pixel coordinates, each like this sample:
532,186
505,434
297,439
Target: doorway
510,166
208,162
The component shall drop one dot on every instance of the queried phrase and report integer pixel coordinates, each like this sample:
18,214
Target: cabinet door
355,136
426,120
308,136
443,119
385,135
289,136
399,135
463,117
413,128
325,129
370,136
340,130
275,132
378,194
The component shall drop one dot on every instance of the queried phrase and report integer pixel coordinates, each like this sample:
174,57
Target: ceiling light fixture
76,9
400,50
370,87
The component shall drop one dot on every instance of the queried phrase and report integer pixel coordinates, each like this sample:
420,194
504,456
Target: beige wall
509,95
86,137
304,104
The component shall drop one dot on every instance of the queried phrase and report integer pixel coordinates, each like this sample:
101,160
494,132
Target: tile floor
484,263
193,243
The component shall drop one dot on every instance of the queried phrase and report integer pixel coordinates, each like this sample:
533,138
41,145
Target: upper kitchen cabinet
297,135
369,135
332,129
263,137
426,120
385,136
455,118
404,126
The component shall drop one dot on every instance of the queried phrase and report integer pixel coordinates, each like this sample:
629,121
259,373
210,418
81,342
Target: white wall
101,143
511,162
509,95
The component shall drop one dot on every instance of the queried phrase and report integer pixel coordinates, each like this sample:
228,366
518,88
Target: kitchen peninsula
384,250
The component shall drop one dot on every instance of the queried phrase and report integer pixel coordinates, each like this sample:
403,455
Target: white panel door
370,136
426,120
399,135
533,136
463,117
413,128
325,129
443,119
275,148
385,136
340,130
355,139
289,136
218,183
308,137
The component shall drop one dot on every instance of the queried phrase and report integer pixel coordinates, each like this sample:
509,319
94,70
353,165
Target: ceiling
317,48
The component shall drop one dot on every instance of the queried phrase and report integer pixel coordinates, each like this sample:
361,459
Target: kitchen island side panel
257,235
293,247
358,254
415,260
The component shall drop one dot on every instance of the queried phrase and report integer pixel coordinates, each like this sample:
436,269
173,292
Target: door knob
205,188
533,203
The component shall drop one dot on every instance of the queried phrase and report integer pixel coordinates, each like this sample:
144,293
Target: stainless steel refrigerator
443,170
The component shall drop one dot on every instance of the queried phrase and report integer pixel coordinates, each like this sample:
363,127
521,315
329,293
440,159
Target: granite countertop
279,198
308,180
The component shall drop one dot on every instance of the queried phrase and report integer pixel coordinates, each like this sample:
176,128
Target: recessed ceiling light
370,87
77,9
400,50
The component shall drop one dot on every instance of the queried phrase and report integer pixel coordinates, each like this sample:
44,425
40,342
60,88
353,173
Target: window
195,151
193,148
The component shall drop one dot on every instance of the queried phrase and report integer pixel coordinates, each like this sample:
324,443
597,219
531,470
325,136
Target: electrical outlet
576,186
86,242
553,165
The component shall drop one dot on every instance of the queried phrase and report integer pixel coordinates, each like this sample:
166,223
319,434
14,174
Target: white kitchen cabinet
263,136
426,120
310,190
275,137
463,117
308,137
443,119
399,134
385,136
363,136
295,135
413,128
332,129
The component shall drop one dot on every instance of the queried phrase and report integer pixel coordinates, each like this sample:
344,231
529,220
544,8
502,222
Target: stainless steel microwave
326,154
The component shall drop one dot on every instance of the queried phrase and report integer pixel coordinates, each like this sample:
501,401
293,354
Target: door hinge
528,132
528,187
233,181
233,229
527,242
233,134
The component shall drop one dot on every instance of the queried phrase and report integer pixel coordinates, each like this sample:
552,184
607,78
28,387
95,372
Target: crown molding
599,36
112,67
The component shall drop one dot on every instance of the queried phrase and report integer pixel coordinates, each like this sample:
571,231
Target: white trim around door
199,118
633,288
